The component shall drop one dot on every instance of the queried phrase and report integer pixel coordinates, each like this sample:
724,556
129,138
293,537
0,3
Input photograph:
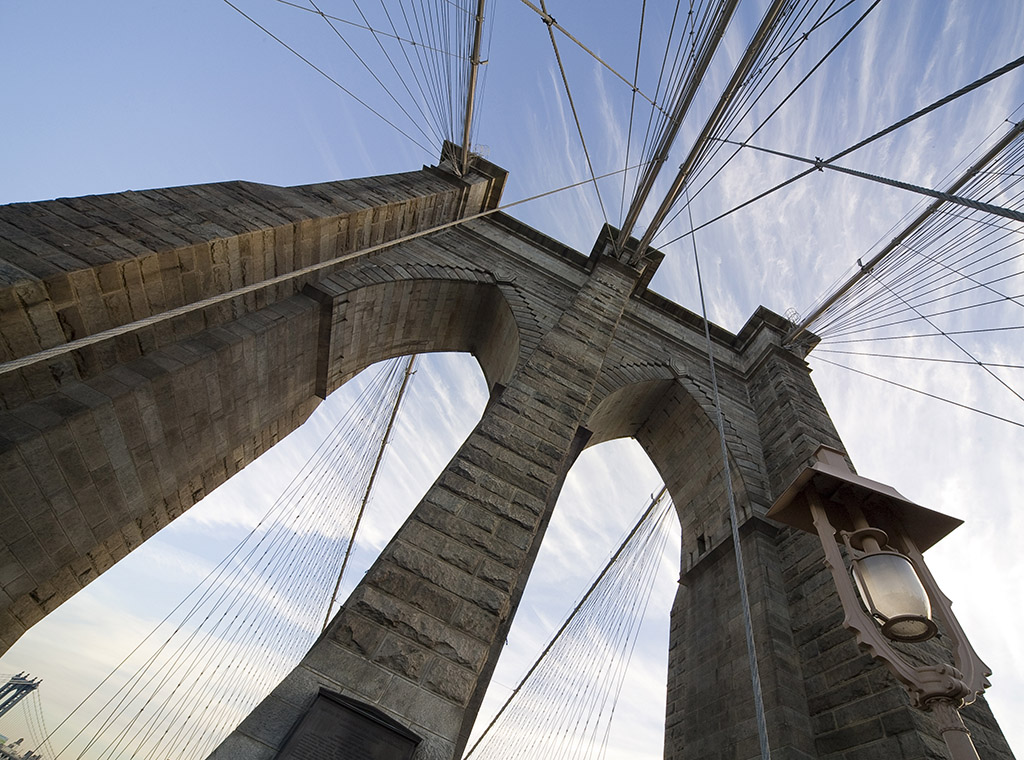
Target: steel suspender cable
837,309
447,48
1002,70
947,254
300,549
680,108
551,22
945,197
419,49
836,336
938,359
184,656
376,78
369,485
923,393
947,336
825,17
935,334
565,695
329,78
748,628
632,102
765,58
755,47
973,245
364,26
572,106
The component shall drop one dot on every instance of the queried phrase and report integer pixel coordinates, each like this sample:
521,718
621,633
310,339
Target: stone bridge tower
221,314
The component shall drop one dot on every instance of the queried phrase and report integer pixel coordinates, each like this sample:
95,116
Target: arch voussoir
374,311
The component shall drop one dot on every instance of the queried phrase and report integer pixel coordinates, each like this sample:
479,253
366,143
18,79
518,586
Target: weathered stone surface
450,681
102,446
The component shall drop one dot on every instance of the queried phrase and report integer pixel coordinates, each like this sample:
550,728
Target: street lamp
888,593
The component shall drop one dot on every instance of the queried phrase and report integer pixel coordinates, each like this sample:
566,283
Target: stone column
101,446
420,635
855,707
710,709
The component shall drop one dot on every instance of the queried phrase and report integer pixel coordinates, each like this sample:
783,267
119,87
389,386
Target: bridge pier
421,633
100,446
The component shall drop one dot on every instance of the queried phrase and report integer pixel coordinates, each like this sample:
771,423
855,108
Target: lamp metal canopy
883,506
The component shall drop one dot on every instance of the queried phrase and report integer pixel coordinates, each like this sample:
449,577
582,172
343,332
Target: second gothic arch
680,436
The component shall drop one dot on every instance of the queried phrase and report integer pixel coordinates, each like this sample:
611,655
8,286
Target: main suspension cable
748,627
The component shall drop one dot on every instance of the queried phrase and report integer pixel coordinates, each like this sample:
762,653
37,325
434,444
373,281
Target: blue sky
132,95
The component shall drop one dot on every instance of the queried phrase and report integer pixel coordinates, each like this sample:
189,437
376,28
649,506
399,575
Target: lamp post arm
954,732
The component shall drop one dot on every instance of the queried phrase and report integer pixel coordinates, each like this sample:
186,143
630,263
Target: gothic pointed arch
672,417
366,318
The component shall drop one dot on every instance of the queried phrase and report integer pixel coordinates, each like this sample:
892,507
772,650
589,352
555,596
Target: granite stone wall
285,293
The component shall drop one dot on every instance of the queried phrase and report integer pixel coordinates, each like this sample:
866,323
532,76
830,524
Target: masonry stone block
103,445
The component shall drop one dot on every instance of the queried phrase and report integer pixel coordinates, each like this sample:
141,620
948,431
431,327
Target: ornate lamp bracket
959,683
880,527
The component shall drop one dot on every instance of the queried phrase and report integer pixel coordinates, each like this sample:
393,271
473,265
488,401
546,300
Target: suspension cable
803,80
1014,64
369,486
938,359
947,335
632,101
945,197
572,106
376,78
679,110
329,78
748,627
754,48
380,32
270,554
568,658
926,228
551,22
923,393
